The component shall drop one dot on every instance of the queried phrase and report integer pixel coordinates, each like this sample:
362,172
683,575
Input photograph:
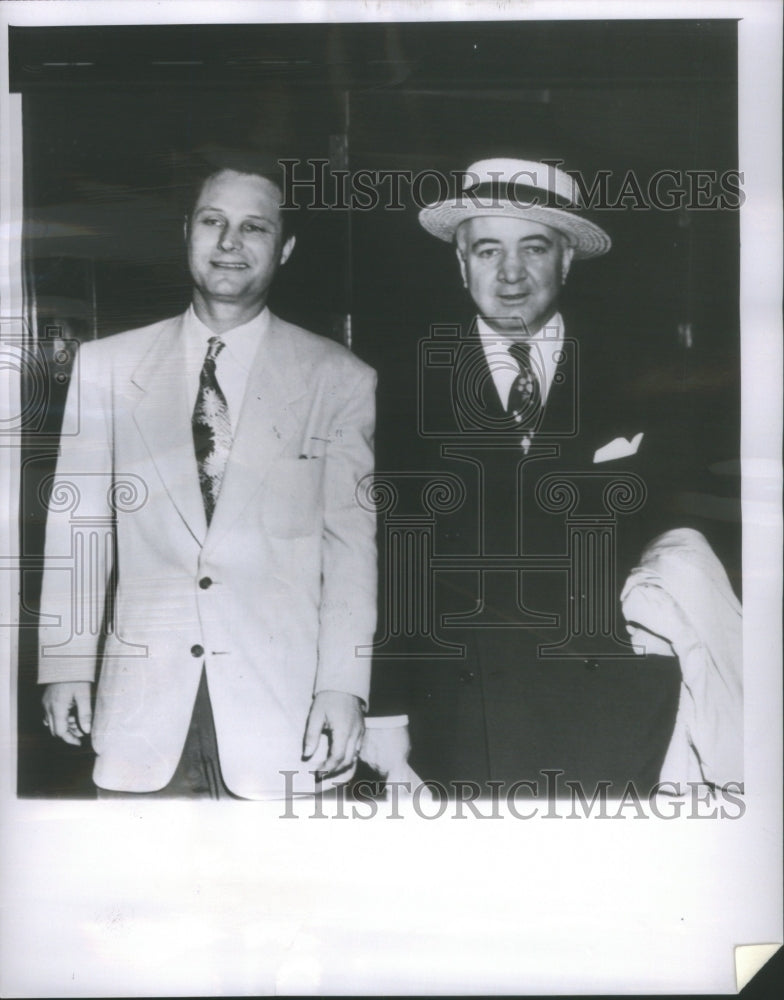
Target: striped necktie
211,429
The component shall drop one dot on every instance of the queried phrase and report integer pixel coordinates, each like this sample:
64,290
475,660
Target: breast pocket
292,500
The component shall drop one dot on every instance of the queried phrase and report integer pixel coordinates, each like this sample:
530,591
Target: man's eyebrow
250,215
493,241
536,236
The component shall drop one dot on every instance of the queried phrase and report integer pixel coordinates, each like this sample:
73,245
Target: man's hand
339,715
68,711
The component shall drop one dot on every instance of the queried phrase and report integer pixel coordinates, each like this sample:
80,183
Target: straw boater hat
518,189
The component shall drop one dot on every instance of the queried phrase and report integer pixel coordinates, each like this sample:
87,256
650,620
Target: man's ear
566,262
186,224
287,249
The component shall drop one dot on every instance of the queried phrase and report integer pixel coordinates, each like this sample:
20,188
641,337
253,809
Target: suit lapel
484,402
270,415
473,388
164,421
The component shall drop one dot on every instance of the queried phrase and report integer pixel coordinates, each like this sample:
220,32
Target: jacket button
197,650
205,583
591,664
466,676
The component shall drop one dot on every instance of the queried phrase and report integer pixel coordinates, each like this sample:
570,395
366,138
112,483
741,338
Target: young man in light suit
205,508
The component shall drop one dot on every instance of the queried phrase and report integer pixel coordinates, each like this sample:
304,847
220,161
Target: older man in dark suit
521,663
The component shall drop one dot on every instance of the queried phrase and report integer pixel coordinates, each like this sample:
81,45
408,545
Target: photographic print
391,418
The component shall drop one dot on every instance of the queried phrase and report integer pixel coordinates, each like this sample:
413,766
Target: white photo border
172,899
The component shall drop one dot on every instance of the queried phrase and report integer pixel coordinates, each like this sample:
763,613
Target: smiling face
514,270
235,240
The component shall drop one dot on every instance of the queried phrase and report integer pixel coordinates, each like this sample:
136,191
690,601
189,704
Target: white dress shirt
546,352
232,364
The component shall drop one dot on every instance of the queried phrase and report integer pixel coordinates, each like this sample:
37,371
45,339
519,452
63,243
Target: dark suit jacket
502,636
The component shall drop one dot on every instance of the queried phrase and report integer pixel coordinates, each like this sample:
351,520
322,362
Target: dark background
116,118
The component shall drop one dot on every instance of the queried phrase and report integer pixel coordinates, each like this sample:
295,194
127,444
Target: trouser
198,774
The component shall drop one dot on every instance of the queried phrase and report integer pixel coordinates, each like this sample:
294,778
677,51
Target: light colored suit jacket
273,598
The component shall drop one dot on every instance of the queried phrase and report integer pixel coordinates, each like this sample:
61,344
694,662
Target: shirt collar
549,341
241,341
552,333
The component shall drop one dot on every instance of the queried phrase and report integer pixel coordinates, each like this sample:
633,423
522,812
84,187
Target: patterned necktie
211,429
525,396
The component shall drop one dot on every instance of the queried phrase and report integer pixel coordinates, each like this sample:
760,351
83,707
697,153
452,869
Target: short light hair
248,163
460,240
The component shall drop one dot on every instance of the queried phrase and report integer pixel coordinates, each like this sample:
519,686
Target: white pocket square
619,448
